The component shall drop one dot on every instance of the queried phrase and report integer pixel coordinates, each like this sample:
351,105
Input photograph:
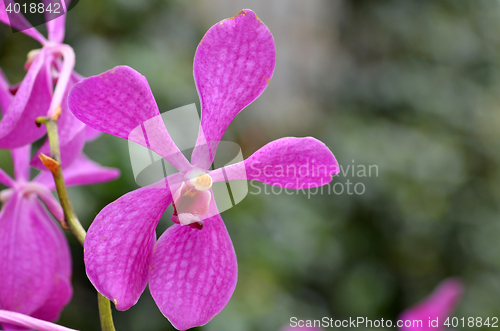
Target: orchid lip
191,200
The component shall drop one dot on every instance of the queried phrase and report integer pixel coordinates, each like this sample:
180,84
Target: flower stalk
53,163
105,313
71,222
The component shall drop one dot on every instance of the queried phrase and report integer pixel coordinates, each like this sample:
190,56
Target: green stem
105,313
72,223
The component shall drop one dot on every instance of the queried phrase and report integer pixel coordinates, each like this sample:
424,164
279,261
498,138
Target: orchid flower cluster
35,261
192,268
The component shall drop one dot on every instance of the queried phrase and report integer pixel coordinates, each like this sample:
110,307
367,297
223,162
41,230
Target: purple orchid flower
35,262
35,95
439,305
25,321
191,269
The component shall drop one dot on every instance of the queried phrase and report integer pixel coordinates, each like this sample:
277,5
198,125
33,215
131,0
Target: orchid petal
193,272
439,304
22,320
71,131
20,157
114,102
56,29
48,199
287,162
32,99
120,102
19,22
28,256
232,67
5,94
55,21
5,179
91,133
59,297
70,149
68,125
82,171
61,291
119,244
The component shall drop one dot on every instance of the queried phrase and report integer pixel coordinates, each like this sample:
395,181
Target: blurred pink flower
35,262
439,305
35,96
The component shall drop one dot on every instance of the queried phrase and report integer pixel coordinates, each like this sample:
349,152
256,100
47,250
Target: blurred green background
411,87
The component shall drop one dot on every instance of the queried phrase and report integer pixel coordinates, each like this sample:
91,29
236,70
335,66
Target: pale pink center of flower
192,199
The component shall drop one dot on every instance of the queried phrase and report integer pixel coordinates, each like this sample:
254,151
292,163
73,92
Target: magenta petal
48,199
19,22
55,26
82,171
5,94
70,149
293,163
193,272
232,67
91,133
114,102
117,102
32,99
120,102
72,135
60,295
5,179
439,304
61,291
119,244
20,157
22,320
29,253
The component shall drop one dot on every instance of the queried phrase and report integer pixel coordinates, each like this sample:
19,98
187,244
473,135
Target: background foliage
409,86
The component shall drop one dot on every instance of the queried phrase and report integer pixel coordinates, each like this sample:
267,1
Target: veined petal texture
232,66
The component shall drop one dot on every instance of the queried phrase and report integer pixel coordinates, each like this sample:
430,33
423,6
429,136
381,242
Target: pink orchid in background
35,262
439,304
28,322
191,269
35,95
